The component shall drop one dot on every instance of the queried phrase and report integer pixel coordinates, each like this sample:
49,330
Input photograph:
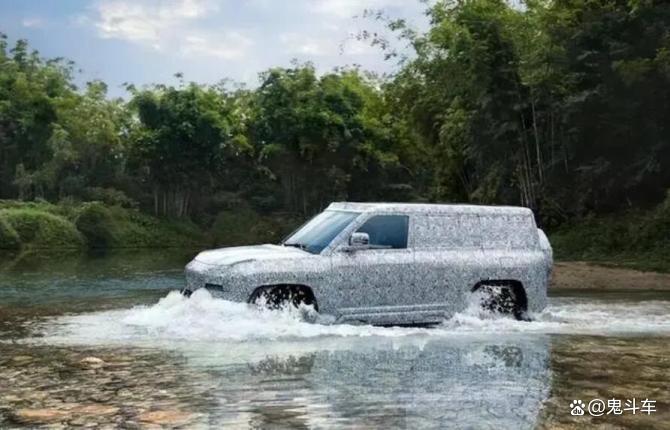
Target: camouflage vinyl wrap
450,250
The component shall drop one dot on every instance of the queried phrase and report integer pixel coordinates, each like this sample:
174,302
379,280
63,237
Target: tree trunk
551,146
155,201
537,142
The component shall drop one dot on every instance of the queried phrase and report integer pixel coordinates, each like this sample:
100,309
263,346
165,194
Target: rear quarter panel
526,266
446,277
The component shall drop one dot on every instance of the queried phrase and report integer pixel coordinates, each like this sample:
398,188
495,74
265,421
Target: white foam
198,318
203,318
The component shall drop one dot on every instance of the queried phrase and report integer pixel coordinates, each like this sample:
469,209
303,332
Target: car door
375,280
448,262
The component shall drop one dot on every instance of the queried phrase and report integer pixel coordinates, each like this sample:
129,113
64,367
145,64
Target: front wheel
292,297
279,297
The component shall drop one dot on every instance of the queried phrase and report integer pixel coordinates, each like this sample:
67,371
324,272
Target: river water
106,341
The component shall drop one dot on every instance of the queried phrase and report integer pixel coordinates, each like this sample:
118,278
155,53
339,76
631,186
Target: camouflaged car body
450,250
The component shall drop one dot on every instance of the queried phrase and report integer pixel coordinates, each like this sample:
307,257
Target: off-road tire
278,297
501,299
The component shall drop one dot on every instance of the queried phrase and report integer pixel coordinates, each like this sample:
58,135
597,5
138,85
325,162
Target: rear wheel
501,299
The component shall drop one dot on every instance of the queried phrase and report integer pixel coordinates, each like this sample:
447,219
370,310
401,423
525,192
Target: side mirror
359,240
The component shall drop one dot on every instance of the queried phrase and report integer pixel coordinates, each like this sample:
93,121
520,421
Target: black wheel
501,299
281,296
186,292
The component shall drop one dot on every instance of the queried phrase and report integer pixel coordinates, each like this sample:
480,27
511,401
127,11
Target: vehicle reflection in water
373,382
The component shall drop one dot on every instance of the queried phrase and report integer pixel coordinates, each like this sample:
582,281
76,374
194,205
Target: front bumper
216,279
197,275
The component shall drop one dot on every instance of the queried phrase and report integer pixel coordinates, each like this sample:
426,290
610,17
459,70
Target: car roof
429,208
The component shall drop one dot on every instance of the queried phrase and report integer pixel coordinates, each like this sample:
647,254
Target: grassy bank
29,226
636,240
40,226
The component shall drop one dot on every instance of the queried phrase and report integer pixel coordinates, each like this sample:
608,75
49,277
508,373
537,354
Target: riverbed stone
92,361
22,359
39,416
94,409
11,398
165,417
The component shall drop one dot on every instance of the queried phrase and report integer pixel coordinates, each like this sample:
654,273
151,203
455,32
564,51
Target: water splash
572,316
203,318
497,369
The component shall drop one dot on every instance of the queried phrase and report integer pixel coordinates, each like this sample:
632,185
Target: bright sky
149,41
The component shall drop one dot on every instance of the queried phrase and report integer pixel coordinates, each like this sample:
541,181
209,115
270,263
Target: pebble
11,398
94,409
36,416
93,362
165,417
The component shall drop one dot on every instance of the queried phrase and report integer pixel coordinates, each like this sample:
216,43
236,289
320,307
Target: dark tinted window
387,230
320,230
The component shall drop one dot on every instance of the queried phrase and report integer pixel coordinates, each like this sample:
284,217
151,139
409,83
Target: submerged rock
167,417
95,410
20,359
93,362
39,416
11,398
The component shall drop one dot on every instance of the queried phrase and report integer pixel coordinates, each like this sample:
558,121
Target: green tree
464,94
321,135
30,89
556,105
182,141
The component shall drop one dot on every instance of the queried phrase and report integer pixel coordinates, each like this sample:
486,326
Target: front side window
387,231
316,234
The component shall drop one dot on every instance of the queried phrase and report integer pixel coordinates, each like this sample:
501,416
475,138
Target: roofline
426,207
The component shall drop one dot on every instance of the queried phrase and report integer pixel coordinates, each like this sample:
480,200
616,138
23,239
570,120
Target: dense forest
558,105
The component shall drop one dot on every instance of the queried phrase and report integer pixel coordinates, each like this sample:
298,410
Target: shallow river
107,342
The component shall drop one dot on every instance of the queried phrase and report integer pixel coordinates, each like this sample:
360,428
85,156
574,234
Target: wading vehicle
390,263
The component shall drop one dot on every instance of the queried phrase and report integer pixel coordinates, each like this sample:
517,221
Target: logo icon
596,407
577,407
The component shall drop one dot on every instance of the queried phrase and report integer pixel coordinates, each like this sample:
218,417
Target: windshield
320,230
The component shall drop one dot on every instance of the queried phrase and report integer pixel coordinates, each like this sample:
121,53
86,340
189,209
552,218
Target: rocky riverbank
63,387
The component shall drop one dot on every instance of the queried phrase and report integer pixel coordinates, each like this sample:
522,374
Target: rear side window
389,231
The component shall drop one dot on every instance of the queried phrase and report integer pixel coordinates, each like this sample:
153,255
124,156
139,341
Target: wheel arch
306,289
516,285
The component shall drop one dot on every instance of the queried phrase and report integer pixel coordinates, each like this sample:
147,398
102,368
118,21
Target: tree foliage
182,142
558,105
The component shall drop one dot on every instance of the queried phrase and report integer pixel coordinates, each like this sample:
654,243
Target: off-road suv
390,263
